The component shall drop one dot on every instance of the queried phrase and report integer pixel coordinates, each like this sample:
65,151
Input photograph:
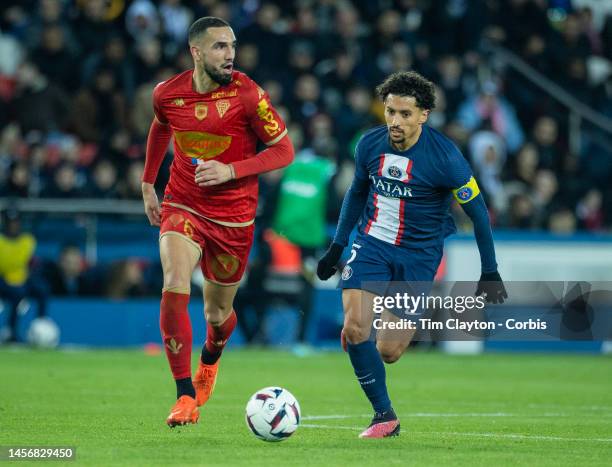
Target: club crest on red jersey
201,110
222,107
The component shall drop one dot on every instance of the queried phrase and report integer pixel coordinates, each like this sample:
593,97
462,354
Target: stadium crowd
76,78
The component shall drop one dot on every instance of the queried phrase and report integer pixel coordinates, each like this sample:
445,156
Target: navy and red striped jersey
410,192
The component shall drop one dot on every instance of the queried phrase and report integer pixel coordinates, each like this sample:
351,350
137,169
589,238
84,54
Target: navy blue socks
370,371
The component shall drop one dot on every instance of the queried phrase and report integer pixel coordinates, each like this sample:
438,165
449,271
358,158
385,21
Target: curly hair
409,83
200,26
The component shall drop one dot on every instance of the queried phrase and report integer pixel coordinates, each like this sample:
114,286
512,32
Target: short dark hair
409,83
200,26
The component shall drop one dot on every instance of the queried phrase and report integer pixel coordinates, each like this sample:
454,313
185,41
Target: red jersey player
216,116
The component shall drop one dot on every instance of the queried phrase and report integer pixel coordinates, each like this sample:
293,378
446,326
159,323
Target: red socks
216,338
176,333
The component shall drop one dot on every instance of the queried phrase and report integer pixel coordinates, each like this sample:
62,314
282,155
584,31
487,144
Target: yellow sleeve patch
467,192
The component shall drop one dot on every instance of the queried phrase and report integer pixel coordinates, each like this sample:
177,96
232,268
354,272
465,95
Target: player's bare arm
151,203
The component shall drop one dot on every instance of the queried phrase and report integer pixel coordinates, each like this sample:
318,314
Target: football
272,414
43,333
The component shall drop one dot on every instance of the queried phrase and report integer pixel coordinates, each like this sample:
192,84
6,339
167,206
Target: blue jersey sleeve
355,199
462,183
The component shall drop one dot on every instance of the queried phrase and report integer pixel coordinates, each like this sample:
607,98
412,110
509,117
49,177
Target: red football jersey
223,124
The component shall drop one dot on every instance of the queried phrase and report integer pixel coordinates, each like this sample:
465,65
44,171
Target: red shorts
224,250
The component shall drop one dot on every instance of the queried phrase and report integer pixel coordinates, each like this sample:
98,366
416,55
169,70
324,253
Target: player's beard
397,138
217,76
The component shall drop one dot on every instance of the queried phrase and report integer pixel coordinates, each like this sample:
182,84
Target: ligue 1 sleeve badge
464,193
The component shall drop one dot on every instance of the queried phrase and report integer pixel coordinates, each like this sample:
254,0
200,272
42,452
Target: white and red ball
273,414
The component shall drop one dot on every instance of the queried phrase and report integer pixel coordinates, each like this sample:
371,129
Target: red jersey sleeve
157,105
263,117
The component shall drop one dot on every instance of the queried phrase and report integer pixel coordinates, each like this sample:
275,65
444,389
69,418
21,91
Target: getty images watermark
534,311
417,305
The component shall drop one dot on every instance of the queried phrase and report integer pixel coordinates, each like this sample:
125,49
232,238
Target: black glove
491,285
327,264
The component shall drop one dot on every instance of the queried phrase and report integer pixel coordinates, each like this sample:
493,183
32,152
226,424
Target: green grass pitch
488,410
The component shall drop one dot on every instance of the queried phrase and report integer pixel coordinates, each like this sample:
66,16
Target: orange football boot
185,411
204,381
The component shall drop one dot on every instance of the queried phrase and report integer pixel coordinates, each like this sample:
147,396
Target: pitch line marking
335,427
515,436
475,435
434,415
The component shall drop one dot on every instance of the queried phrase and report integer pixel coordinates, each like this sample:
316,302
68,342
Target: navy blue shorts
373,260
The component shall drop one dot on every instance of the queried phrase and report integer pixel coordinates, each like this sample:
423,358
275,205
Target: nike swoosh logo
363,377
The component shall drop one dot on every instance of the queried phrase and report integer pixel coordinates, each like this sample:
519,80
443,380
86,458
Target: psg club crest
347,272
201,110
464,193
394,171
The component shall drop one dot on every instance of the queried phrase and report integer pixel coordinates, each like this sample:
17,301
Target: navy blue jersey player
406,177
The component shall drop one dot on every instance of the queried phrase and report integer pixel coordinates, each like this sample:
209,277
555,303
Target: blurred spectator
50,13
489,105
449,78
562,221
55,59
98,108
69,276
247,59
142,20
544,190
306,100
114,58
18,183
93,25
38,104
526,164
589,211
354,117
103,183
142,111
488,154
341,72
11,54
131,187
176,19
16,281
65,183
147,61
521,213
545,137
126,279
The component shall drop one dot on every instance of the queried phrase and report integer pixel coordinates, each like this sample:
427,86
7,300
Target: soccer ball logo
272,414
394,171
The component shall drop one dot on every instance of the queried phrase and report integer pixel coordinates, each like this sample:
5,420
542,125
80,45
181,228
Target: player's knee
389,354
217,313
175,280
355,334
